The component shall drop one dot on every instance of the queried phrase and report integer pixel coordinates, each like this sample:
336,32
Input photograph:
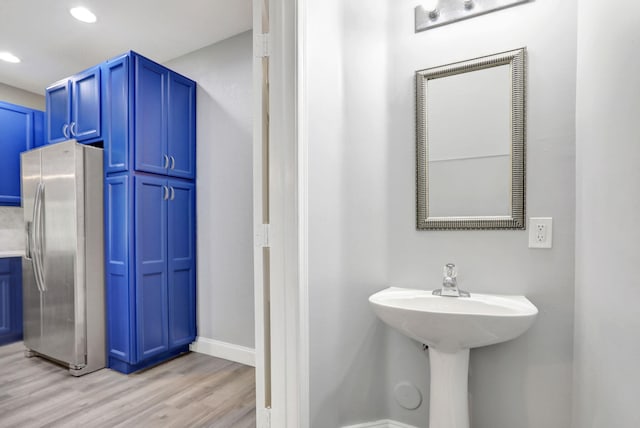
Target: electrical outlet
540,232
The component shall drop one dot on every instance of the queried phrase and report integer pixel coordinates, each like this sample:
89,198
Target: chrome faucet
450,283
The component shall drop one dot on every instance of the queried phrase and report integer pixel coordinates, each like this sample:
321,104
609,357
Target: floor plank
194,390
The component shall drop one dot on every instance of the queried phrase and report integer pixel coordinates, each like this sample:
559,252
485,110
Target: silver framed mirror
470,132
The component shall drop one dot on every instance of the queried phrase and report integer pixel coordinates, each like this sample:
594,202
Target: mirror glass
471,144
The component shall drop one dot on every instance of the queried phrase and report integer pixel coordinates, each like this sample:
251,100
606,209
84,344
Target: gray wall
361,57
11,229
347,192
21,97
607,373
224,187
508,383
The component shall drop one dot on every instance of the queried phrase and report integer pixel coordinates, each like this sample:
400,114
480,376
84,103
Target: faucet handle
450,270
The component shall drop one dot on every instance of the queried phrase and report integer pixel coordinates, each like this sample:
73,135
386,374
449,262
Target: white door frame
281,304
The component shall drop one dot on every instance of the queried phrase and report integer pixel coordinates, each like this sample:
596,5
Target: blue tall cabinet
148,114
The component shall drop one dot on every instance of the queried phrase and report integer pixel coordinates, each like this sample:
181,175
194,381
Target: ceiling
53,45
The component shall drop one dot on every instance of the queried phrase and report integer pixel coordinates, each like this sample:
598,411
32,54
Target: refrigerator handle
41,238
35,261
27,243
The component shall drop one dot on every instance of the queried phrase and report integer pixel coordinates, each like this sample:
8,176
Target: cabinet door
58,100
115,101
151,266
10,300
5,303
119,291
16,136
181,126
85,110
182,266
150,116
38,129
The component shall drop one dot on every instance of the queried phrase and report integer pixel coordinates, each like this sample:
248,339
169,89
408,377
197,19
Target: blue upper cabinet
158,107
58,97
151,153
21,129
181,126
73,108
86,119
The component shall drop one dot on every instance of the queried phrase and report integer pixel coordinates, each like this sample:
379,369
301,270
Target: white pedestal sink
450,326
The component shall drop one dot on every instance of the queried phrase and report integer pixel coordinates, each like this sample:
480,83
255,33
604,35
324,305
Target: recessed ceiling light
83,14
9,57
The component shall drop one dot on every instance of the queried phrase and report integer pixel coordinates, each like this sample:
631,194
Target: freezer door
32,298
62,243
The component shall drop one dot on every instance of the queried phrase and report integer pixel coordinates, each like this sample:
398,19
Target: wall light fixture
434,13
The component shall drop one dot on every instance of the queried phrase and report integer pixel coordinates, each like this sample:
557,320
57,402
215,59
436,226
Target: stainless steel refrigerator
63,266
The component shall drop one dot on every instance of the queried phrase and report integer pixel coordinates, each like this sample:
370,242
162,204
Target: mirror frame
516,220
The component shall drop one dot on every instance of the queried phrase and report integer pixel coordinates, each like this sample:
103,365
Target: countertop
11,253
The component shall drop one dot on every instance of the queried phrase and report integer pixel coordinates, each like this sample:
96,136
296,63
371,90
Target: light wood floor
194,390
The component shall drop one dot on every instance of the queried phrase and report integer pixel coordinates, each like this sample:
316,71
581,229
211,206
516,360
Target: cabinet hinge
262,45
265,420
262,236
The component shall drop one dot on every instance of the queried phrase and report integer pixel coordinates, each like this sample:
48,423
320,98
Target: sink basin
454,323
451,326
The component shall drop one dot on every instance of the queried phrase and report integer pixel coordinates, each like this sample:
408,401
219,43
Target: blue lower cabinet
10,300
150,236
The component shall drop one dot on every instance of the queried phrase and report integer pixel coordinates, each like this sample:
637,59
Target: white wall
224,187
21,97
607,375
361,59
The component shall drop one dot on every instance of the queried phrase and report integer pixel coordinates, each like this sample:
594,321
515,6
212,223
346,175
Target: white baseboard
227,351
386,423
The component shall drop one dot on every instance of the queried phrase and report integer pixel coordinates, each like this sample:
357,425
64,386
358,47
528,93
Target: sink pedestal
452,326
448,397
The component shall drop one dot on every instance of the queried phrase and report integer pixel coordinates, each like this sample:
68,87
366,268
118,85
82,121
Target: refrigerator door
61,241
32,298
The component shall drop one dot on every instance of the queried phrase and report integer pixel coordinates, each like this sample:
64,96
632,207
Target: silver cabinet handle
173,194
166,193
173,162
73,128
166,161
65,130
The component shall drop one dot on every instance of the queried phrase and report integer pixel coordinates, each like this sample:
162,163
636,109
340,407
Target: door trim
286,288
